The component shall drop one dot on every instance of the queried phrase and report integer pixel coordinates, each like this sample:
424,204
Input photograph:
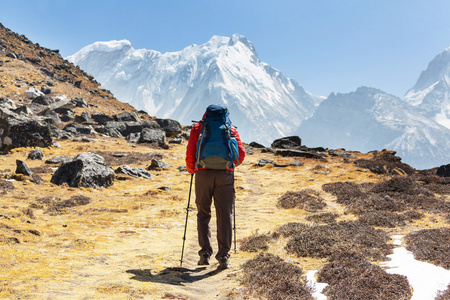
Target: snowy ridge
430,94
370,119
264,103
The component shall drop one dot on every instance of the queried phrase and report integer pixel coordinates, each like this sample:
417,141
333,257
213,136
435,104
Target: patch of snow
425,279
318,286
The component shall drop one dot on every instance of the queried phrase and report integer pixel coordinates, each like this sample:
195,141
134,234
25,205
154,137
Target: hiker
213,151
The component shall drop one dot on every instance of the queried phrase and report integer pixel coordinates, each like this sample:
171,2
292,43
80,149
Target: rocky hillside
93,203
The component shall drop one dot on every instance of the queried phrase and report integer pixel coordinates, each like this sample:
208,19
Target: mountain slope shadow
173,276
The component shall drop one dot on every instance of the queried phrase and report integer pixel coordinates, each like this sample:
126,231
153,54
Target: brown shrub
346,192
401,185
436,184
73,201
55,206
430,245
322,241
374,202
42,170
256,242
365,281
308,200
443,295
269,276
385,162
325,217
292,228
389,219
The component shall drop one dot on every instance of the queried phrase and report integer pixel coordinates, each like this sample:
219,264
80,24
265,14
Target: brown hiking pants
217,184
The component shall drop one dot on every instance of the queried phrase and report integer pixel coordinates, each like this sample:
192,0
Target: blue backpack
217,148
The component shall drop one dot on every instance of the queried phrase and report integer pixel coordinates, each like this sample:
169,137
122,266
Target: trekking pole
185,225
234,225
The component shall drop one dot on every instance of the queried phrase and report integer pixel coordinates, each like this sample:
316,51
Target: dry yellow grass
123,244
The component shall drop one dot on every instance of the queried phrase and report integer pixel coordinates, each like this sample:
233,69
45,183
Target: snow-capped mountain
264,104
430,95
370,119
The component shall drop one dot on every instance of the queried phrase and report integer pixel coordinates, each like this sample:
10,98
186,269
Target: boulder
83,118
298,153
24,109
443,171
289,142
85,170
134,172
171,127
43,100
22,131
33,93
256,145
102,118
158,165
7,103
128,117
75,128
36,154
79,102
22,168
58,160
152,136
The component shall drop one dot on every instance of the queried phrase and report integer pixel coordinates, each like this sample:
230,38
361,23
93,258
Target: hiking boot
224,262
204,259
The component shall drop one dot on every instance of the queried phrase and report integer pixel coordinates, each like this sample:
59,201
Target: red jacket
192,147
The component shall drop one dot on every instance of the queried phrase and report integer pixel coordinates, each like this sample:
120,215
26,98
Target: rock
83,118
59,107
76,128
164,188
22,168
102,118
43,100
22,131
58,160
67,116
7,103
79,102
321,169
158,165
182,169
24,110
133,137
85,170
264,162
341,154
46,90
36,154
176,140
298,153
33,93
256,145
443,171
171,127
134,172
290,142
78,84
128,116
152,135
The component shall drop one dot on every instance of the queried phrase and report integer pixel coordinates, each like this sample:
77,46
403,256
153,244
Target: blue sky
325,45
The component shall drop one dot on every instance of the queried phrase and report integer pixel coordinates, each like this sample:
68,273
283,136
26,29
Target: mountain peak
180,85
